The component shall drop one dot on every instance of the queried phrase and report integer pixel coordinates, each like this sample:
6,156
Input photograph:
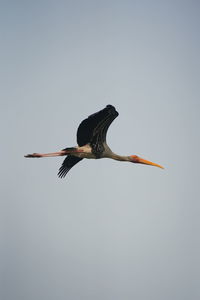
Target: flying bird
91,140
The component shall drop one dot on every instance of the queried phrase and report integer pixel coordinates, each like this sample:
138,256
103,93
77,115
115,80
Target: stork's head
138,160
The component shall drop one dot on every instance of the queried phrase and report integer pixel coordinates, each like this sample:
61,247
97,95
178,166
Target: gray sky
109,230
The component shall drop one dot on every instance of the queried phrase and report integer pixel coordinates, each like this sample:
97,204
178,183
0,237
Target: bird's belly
85,155
85,152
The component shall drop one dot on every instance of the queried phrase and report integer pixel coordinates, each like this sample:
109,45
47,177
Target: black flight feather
91,131
96,126
67,164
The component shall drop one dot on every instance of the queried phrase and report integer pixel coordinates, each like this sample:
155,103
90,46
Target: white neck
120,157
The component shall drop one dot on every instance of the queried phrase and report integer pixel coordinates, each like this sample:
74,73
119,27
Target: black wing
96,125
67,164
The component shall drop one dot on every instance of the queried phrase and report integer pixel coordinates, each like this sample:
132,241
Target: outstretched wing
96,125
67,164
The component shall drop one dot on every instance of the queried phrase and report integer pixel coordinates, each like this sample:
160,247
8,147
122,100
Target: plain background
109,230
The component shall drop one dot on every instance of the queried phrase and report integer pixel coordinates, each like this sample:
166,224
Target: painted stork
91,140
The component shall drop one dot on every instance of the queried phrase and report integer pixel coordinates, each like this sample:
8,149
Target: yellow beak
138,160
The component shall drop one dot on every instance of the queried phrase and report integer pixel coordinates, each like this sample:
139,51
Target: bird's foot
33,155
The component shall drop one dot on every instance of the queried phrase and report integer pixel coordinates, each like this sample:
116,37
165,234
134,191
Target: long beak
136,159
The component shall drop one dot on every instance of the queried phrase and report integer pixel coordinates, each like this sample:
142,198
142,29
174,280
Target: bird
91,140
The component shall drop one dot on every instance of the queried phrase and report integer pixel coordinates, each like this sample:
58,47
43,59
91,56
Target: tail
70,149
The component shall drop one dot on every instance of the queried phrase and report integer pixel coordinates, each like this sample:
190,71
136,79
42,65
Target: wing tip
112,109
62,172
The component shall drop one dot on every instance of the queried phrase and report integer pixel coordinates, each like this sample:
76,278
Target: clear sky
109,230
